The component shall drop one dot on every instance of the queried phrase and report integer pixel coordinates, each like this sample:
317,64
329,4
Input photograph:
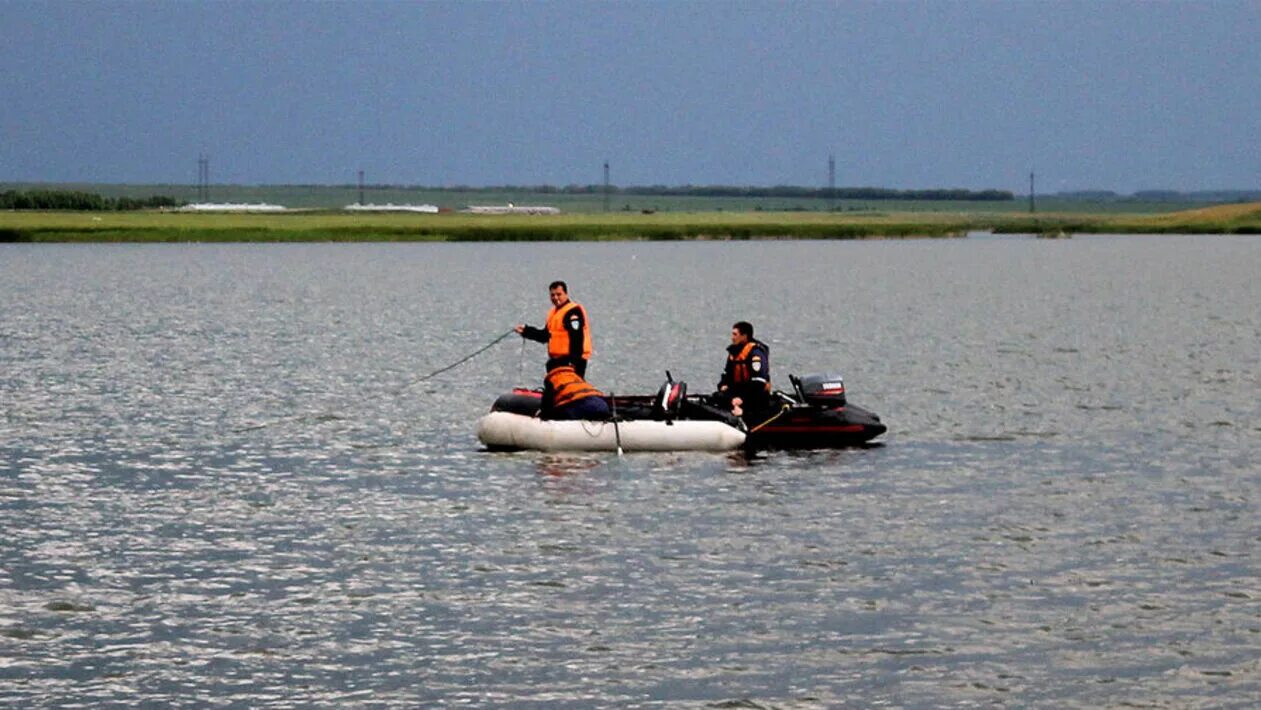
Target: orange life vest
568,387
739,363
558,344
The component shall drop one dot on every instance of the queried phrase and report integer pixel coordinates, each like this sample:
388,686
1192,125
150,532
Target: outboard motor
823,390
668,400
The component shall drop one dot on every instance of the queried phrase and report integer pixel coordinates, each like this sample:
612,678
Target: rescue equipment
560,334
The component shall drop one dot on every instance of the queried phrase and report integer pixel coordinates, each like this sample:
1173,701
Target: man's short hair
745,328
558,284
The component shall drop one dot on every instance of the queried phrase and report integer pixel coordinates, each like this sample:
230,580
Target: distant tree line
79,201
822,193
778,191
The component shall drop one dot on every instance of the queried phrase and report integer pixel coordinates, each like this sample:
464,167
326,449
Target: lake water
225,480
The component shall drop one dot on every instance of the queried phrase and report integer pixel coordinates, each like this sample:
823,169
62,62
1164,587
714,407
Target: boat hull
817,428
507,431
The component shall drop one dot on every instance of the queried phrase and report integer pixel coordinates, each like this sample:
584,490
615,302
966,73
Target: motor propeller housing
823,389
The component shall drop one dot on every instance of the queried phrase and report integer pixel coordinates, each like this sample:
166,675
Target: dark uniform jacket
748,371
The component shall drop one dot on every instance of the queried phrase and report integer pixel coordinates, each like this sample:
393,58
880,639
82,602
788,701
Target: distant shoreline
329,226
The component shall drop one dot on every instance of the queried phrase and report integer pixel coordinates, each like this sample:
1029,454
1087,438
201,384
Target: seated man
568,396
746,381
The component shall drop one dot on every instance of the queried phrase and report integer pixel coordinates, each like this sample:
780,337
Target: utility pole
831,182
203,178
606,186
361,188
1032,207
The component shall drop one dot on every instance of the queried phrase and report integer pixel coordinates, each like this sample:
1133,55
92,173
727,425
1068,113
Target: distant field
335,197
333,226
336,226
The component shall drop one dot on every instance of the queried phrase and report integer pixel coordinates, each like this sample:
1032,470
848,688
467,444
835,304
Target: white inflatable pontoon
505,430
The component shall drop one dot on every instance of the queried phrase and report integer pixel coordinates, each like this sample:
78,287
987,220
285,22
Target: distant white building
510,209
231,207
391,207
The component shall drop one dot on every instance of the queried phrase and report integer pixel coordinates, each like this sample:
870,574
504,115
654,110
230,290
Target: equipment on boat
815,415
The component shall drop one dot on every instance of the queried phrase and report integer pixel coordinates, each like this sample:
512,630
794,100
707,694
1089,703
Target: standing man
568,334
746,381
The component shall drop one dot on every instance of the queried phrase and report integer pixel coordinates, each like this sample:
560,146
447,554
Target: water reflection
568,465
1058,514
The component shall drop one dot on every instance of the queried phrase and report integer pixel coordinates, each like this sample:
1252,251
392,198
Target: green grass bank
316,226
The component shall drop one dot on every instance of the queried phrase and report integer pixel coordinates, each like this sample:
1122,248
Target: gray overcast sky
1109,95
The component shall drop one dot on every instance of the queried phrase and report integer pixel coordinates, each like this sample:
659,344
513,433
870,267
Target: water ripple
1062,515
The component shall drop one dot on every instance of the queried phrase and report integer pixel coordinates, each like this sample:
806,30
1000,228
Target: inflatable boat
507,431
815,415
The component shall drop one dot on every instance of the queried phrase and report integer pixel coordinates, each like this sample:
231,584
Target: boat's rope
589,432
393,393
455,364
521,362
784,408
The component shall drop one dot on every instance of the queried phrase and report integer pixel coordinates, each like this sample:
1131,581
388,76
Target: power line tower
606,186
203,178
1032,207
831,182
361,187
